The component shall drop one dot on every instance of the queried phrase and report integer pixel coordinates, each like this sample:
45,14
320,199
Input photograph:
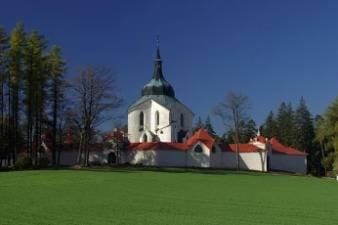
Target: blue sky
271,51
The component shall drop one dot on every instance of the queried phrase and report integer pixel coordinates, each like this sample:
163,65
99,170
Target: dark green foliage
23,162
43,162
285,124
269,128
208,126
303,128
248,130
199,124
25,75
327,134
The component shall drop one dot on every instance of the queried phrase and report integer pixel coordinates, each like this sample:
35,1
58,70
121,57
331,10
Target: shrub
23,162
328,161
43,162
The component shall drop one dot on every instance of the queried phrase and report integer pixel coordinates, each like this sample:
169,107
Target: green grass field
145,197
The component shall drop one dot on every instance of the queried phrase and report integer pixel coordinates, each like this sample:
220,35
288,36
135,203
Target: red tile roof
242,148
262,139
157,146
279,148
202,136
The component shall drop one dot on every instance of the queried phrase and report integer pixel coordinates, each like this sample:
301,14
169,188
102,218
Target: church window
141,119
157,118
198,149
182,120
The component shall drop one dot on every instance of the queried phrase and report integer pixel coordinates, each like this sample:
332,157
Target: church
160,134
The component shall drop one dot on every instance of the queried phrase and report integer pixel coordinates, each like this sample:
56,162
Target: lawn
133,197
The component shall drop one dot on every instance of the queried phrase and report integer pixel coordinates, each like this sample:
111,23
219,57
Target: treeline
314,135
31,83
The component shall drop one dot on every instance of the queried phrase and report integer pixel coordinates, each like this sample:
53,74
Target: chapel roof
158,84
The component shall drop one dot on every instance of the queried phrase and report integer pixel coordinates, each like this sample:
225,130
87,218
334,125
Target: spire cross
157,41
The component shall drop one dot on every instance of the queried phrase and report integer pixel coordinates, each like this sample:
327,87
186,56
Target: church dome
158,85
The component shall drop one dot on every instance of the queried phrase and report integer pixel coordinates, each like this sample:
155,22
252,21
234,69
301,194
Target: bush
328,161
43,162
23,162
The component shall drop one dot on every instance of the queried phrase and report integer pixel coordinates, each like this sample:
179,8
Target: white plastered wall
289,163
196,159
247,161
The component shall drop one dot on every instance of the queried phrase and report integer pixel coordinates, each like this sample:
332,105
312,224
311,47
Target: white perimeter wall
198,159
294,163
174,158
247,161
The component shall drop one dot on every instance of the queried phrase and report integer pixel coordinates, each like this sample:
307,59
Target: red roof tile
279,148
157,146
202,136
243,148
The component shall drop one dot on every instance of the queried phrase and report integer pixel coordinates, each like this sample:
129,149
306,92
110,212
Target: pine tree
199,124
270,126
56,68
249,131
303,127
285,128
208,126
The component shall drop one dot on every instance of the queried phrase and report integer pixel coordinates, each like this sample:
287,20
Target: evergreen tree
199,124
285,119
269,128
249,131
303,127
56,67
208,126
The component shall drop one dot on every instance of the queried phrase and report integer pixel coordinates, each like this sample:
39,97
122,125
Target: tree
269,128
16,70
304,136
56,69
208,126
4,45
326,133
35,89
95,94
249,131
233,112
285,122
199,124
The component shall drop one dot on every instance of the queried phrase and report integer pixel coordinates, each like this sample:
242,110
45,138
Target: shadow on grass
138,169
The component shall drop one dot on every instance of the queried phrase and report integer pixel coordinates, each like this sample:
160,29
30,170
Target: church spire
158,62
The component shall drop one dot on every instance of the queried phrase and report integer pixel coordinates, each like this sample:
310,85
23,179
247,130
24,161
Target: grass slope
146,197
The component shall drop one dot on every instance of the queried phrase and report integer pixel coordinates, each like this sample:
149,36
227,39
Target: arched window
141,119
157,118
145,138
198,149
182,120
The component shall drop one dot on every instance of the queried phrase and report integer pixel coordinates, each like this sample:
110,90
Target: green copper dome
158,85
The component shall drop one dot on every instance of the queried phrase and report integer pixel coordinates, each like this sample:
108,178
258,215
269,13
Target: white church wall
164,132
176,112
134,133
198,159
289,163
